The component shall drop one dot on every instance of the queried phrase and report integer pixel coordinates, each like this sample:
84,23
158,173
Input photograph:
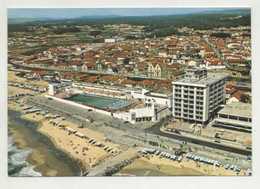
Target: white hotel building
197,96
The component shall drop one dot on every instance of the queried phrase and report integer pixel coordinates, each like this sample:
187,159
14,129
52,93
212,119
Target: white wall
79,105
123,115
111,40
157,100
160,101
51,90
231,100
143,112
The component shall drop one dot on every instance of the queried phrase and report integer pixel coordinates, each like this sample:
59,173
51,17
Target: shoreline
18,164
47,164
58,147
86,155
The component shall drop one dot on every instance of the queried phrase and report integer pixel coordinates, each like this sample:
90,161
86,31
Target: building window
223,116
177,104
233,117
200,98
198,113
244,119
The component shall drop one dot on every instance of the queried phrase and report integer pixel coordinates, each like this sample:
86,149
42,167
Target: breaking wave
17,164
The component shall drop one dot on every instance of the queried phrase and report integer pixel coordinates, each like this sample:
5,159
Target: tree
95,33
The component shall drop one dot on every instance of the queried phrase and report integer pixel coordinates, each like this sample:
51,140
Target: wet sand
47,159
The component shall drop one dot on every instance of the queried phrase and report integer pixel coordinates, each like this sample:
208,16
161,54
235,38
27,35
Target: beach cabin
70,130
80,135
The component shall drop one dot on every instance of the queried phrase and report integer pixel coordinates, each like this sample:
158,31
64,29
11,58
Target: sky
101,12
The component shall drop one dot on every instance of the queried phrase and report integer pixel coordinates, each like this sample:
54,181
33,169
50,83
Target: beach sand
44,157
154,165
78,148
16,90
13,78
143,167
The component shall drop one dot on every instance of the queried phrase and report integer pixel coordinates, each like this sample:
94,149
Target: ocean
17,161
31,153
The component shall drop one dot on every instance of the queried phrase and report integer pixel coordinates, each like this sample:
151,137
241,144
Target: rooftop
158,95
232,122
237,109
210,79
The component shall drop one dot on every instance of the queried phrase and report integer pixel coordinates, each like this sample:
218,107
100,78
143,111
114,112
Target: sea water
17,164
51,159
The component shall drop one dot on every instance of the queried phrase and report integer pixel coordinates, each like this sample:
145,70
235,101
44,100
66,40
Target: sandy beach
78,148
44,157
145,167
88,155
161,166
13,78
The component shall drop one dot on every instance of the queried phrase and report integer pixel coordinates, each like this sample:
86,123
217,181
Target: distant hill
24,20
159,25
36,14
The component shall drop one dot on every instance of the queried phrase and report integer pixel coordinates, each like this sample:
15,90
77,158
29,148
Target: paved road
156,130
117,162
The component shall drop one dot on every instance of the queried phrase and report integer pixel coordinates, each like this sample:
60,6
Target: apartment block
198,95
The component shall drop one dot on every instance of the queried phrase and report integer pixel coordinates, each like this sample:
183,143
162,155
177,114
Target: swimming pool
100,102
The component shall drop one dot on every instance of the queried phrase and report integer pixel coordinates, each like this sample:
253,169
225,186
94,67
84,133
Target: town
121,97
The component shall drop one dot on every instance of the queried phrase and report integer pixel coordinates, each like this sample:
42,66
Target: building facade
157,98
198,95
154,70
235,116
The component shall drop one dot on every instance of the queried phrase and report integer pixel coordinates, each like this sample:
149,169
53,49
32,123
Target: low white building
160,99
149,113
156,98
235,116
53,87
110,40
212,67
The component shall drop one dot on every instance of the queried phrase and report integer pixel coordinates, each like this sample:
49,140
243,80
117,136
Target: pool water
99,101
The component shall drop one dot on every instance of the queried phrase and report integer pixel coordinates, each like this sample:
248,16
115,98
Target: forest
154,25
